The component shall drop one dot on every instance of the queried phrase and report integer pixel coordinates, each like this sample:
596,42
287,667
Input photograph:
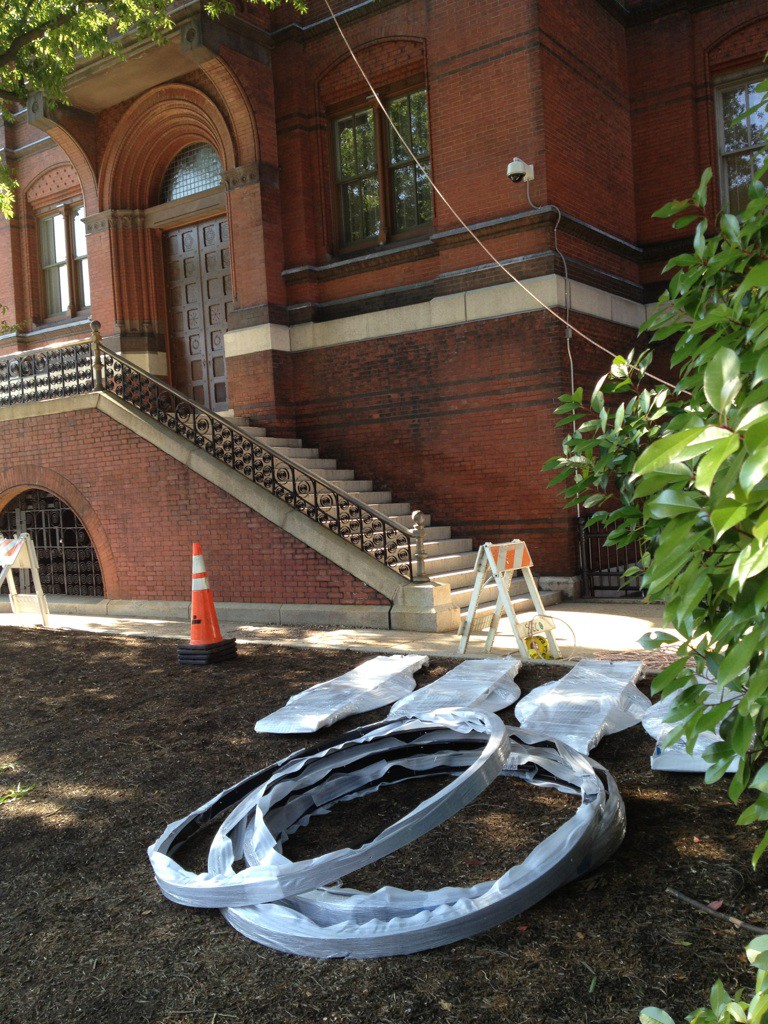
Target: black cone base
207,654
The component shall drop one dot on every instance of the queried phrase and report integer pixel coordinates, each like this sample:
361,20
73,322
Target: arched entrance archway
67,558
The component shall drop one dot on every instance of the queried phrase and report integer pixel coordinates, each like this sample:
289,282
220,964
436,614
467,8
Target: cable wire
439,193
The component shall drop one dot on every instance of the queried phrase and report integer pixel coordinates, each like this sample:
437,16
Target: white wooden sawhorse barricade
19,553
498,563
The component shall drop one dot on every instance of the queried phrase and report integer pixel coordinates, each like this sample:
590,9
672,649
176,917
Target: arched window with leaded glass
196,168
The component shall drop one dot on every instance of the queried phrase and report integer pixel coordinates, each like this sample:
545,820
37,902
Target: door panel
199,301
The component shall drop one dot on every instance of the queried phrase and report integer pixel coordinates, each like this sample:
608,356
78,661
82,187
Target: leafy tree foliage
683,469
41,42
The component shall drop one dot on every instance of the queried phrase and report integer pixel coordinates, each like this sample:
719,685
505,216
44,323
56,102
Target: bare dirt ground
118,740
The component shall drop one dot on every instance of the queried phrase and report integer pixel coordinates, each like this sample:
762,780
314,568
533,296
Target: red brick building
235,211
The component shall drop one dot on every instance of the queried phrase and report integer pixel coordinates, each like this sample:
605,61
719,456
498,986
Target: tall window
64,261
381,191
743,133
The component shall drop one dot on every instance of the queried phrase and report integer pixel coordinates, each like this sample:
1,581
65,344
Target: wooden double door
199,282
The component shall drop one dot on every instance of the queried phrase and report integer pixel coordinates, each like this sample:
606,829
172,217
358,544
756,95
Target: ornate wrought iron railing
83,367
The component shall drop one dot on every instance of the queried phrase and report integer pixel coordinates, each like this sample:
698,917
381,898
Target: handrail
86,366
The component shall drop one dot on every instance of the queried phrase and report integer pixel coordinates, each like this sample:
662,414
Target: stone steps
449,560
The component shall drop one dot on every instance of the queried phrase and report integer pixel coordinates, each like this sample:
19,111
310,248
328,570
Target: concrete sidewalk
601,628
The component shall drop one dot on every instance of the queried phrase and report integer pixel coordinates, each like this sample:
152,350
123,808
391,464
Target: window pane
366,141
736,135
404,197
423,196
398,111
78,231
52,292
59,238
345,148
63,288
758,119
351,212
419,124
739,169
83,284
46,242
371,207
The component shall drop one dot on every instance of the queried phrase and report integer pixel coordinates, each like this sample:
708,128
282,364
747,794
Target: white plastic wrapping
594,699
676,758
485,685
280,904
373,684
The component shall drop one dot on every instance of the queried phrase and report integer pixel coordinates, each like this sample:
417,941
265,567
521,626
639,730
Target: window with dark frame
743,133
64,261
382,192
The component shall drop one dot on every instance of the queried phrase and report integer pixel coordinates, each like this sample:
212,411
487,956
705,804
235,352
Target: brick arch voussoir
755,51
150,132
24,478
79,160
240,113
374,57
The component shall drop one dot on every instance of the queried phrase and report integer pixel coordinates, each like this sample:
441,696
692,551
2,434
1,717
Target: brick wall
458,422
143,510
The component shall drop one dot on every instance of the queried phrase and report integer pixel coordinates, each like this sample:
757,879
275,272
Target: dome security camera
518,170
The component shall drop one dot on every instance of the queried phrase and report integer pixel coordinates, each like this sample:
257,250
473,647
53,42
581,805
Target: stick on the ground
735,921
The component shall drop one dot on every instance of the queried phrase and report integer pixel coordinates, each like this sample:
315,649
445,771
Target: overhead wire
440,194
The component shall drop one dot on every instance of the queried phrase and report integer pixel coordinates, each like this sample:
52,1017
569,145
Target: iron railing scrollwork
46,373
87,366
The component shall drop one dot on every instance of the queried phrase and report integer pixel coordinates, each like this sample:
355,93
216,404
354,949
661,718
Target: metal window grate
67,559
194,169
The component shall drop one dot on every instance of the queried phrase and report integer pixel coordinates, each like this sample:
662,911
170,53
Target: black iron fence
87,366
603,568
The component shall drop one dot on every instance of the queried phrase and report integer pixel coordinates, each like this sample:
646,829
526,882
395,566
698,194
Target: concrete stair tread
448,546
375,498
462,594
297,454
521,603
437,564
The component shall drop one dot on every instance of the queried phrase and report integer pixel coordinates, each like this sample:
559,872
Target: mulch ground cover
118,740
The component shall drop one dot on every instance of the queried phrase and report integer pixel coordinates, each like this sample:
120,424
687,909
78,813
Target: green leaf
756,278
736,1012
722,380
700,195
761,370
727,515
664,452
757,952
762,846
752,559
656,637
653,1015
713,460
739,657
753,469
672,503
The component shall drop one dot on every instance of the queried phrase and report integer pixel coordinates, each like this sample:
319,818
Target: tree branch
33,34
735,921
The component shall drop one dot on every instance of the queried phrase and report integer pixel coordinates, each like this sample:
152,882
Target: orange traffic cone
206,645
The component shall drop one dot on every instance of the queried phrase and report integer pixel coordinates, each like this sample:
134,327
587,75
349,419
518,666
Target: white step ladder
496,564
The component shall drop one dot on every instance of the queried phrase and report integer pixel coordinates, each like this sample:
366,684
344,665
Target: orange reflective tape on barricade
9,549
516,555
